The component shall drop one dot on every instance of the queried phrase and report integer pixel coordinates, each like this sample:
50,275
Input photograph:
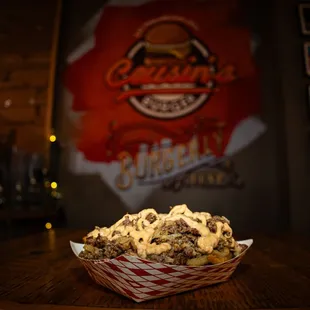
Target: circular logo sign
173,72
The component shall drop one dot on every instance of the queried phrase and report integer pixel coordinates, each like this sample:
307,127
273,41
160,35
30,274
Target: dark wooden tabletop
41,272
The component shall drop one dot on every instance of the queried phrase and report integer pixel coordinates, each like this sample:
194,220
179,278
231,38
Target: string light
48,226
52,138
7,103
54,185
32,101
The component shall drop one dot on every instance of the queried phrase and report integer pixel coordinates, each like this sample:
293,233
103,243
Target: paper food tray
141,280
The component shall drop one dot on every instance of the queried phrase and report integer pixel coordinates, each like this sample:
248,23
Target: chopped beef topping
227,234
98,242
222,219
243,247
91,241
189,252
180,259
151,218
180,226
211,224
180,241
101,241
184,228
116,232
112,250
171,229
127,221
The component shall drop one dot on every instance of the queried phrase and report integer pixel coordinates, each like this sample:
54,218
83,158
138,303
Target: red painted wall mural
167,92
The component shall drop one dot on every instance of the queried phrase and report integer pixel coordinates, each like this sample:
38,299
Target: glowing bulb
32,101
7,103
48,226
52,138
53,185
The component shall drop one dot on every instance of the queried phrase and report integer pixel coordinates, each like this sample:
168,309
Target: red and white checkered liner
142,280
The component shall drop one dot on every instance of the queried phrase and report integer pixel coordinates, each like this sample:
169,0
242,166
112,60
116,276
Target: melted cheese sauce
142,230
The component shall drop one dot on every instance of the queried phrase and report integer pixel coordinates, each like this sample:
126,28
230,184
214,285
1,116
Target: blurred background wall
274,168
28,42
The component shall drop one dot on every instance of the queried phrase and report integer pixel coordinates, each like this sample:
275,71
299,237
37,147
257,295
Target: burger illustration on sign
167,43
168,73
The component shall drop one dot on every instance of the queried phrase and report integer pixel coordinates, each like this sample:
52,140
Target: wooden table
41,272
